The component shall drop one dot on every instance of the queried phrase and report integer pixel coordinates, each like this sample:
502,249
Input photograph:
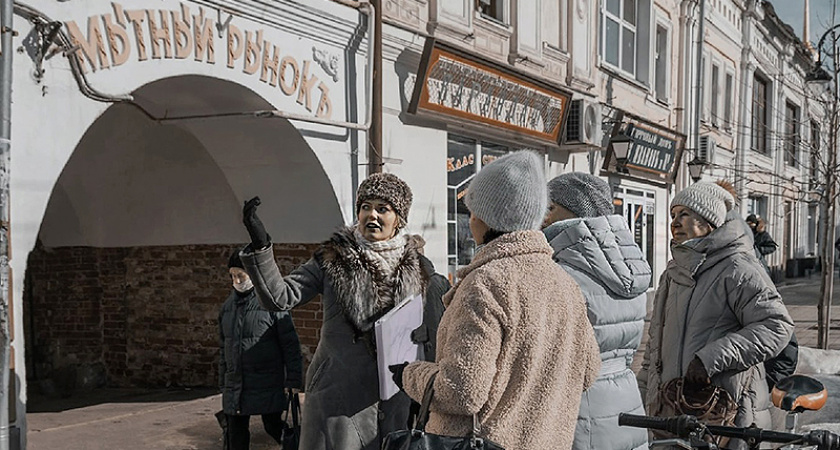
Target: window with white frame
660,71
728,99
715,92
760,114
791,137
625,37
757,204
814,165
492,9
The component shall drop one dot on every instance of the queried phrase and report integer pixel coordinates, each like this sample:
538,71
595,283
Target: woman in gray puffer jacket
717,315
597,249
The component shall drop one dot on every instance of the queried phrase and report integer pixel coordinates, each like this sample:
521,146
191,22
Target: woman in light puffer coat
597,249
717,315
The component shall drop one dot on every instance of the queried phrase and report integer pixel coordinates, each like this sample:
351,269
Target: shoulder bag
418,439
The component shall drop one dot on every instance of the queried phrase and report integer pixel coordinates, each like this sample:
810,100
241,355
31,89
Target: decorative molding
328,61
412,13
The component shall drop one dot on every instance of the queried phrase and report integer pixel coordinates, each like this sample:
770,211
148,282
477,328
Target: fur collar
361,290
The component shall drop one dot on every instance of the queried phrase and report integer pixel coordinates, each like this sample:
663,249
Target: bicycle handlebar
684,425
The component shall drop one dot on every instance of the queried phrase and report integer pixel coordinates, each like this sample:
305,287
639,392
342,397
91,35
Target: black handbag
418,439
291,435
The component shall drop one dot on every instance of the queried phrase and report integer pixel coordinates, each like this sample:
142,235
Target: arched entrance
129,271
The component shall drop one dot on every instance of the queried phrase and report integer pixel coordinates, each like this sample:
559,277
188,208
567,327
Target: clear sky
791,11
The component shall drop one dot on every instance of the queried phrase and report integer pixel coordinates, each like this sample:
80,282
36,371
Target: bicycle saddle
799,393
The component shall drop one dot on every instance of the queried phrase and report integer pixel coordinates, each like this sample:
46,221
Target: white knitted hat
707,199
510,193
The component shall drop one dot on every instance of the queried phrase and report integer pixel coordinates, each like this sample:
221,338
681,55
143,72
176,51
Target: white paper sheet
393,341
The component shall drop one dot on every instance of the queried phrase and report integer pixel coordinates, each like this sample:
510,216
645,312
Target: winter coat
716,302
764,245
514,347
602,257
342,410
260,356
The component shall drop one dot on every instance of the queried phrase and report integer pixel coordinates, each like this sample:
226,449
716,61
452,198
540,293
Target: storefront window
638,208
465,157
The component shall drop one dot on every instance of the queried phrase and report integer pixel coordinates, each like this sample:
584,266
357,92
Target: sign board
458,85
654,152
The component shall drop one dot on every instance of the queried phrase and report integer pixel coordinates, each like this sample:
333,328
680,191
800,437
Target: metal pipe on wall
698,93
6,37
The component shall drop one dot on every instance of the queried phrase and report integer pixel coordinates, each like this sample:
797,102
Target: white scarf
385,254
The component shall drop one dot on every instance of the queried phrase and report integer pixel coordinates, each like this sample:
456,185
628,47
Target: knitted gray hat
707,199
510,193
581,193
387,187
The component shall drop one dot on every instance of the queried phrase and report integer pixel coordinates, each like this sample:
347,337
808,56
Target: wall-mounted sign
461,86
194,35
654,152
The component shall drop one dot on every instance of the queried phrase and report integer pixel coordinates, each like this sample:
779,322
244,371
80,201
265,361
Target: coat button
381,416
238,411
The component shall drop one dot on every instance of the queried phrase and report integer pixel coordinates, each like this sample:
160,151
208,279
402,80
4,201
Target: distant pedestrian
260,358
515,349
361,272
764,244
717,315
595,246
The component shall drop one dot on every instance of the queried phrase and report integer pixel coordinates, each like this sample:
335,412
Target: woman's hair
491,234
761,225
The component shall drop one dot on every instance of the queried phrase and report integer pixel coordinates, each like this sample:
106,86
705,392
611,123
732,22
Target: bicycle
793,394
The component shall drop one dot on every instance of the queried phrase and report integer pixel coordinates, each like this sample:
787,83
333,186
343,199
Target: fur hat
387,187
581,193
510,193
707,199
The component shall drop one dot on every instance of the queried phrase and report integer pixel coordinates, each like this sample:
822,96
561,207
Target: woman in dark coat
260,356
361,272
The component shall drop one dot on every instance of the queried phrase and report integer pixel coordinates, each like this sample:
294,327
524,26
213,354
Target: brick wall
148,314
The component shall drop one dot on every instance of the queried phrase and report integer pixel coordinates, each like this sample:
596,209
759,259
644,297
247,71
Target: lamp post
695,169
621,148
819,76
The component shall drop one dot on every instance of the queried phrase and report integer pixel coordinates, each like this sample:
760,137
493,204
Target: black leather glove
259,237
696,373
397,370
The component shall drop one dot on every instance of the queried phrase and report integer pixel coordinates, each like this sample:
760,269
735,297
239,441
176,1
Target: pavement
180,419
132,419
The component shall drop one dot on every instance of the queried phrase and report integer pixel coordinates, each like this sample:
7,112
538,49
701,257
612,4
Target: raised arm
275,292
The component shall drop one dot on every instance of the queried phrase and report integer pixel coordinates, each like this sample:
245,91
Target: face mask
244,286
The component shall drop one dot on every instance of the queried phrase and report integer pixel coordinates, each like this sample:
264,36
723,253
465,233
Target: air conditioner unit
583,126
706,149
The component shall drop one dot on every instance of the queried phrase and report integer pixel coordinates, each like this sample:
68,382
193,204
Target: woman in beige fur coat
514,345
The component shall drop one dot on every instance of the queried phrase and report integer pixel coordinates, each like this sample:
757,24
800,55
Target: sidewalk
132,419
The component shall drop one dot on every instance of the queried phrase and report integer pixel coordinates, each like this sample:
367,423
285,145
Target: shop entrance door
637,207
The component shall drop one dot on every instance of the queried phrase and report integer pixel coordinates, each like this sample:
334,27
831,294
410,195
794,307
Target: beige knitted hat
707,199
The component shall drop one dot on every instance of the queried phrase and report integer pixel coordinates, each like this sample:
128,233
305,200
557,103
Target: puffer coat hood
715,302
602,257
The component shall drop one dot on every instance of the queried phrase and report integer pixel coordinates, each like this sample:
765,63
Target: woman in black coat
260,358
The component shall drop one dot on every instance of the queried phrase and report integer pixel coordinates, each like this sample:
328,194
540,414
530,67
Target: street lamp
695,169
818,76
621,148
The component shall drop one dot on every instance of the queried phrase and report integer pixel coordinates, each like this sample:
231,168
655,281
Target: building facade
138,133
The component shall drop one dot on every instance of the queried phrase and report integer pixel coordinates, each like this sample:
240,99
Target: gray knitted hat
387,187
707,199
581,193
510,193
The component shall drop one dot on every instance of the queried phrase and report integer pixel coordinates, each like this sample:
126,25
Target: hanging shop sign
654,152
461,86
194,35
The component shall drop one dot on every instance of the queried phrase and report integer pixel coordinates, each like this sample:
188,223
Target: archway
129,271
